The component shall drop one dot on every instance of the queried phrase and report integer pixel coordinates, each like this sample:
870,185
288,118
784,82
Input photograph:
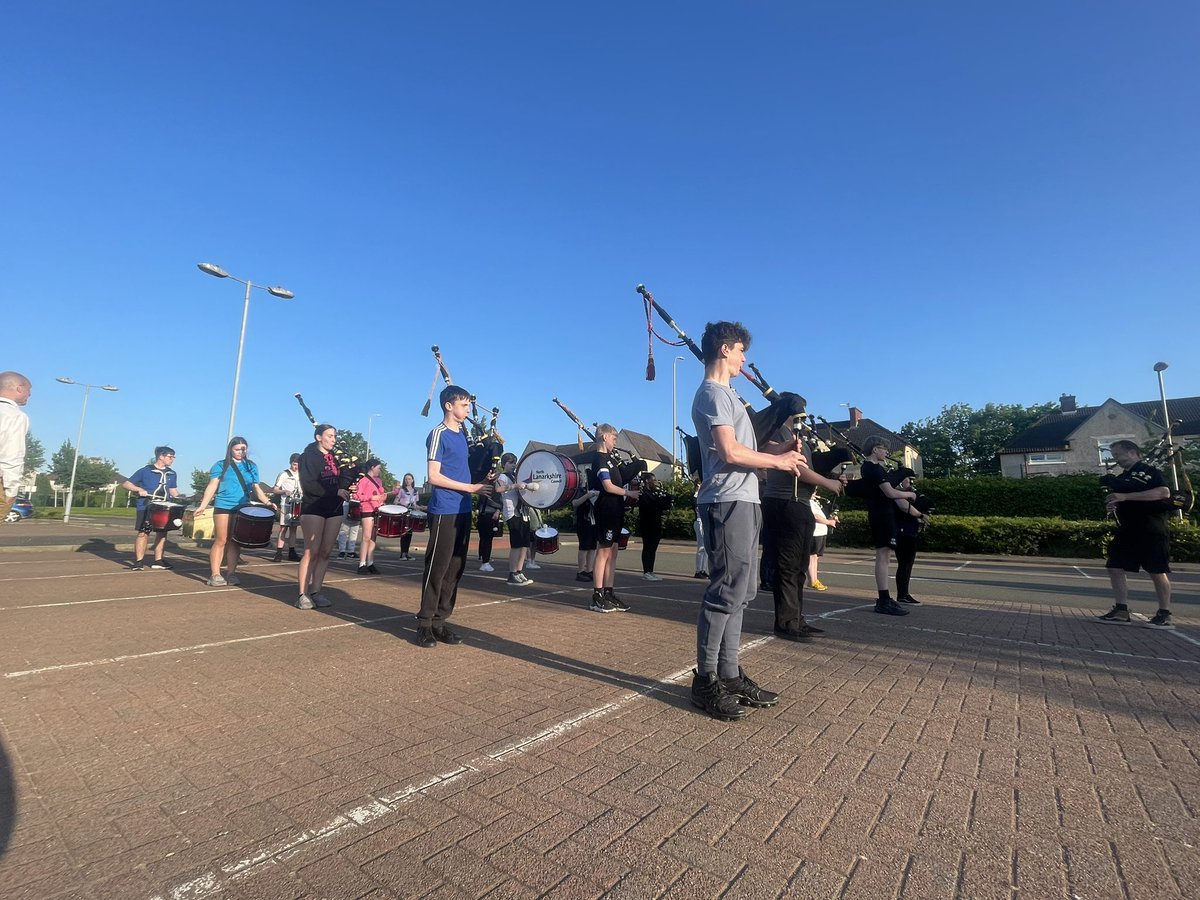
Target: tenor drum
251,526
417,520
623,540
545,540
164,516
354,510
392,521
555,476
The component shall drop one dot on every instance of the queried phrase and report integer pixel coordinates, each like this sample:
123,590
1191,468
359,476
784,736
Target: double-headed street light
87,389
283,293
1161,367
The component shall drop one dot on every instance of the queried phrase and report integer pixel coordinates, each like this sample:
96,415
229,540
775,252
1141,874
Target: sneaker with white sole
216,581
532,565
650,576
305,602
487,567
1162,619
161,564
1118,615
601,604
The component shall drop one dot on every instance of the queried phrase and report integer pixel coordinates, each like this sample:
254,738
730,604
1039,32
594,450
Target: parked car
21,509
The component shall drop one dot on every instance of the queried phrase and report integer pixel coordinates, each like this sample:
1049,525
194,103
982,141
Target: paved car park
166,739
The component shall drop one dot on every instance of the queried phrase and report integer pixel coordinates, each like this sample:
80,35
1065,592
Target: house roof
858,434
1053,430
641,445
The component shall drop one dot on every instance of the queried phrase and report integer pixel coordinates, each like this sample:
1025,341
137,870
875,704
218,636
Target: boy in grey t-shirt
729,508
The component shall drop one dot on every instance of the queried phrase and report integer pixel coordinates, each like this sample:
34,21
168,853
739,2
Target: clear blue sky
909,205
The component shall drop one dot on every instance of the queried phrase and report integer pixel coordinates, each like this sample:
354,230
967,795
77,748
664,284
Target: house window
1047,459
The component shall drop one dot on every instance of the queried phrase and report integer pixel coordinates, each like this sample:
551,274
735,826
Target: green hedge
1025,536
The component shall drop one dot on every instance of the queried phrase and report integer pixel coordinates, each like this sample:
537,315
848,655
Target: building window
1047,459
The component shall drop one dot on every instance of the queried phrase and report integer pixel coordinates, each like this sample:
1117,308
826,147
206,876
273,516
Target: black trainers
363,570
601,604
161,564
909,598
1162,619
445,635
747,692
709,694
137,566
371,568
293,556
1118,615
799,635
425,638
278,557
890,607
617,603
583,576
806,626
701,574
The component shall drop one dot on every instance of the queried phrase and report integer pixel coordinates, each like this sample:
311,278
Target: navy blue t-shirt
449,447
152,480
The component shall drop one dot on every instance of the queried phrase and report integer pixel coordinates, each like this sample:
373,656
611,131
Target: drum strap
245,490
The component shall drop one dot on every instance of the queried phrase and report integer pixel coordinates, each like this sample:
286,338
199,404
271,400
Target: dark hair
507,458
295,457
1126,445
233,442
876,440
718,334
163,451
408,475
452,393
371,463
321,429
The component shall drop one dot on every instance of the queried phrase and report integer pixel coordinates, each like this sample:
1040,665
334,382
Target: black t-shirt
782,485
605,462
1141,514
874,475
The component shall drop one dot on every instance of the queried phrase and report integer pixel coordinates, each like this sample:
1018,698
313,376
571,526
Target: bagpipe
350,470
485,444
629,470
783,406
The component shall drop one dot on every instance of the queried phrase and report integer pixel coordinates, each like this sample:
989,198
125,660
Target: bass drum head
555,476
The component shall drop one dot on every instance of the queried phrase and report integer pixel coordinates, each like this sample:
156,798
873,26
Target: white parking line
1081,572
963,566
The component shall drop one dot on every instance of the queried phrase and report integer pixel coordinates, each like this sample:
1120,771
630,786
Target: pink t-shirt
370,493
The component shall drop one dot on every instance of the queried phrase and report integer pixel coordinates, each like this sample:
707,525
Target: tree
962,441
92,472
356,444
35,453
200,480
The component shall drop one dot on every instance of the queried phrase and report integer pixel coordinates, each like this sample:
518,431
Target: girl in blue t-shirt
232,482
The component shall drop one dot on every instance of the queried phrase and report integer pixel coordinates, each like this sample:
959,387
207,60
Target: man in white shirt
15,389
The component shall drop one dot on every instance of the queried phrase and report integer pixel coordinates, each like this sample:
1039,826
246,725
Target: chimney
1067,403
855,416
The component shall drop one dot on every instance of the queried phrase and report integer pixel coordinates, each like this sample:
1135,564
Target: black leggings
650,542
906,556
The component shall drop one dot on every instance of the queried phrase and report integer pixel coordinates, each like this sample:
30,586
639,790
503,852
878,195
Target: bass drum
252,526
555,475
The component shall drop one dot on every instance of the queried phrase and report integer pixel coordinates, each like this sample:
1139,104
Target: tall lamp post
87,389
283,293
1161,367
371,421
674,421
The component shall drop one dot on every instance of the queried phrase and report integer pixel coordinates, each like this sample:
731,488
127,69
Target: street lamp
87,389
674,422
1161,367
371,421
284,293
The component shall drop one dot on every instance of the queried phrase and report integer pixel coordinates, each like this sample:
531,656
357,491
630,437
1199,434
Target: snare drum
251,526
289,512
162,515
392,521
623,540
555,476
545,540
417,520
354,510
